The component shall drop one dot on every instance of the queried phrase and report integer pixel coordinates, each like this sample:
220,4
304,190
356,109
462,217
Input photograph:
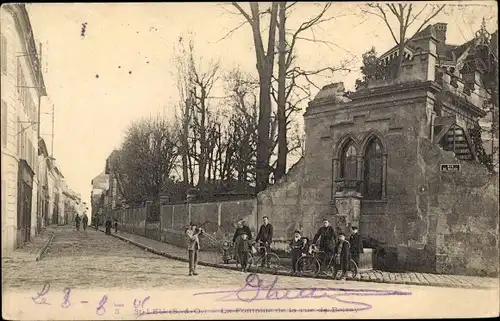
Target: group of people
83,219
336,247
95,220
326,238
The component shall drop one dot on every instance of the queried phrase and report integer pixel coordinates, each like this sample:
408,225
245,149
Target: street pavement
413,278
90,275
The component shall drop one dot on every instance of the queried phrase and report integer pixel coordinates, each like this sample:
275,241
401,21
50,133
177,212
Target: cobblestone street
90,262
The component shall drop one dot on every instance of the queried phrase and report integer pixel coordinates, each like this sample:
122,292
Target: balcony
348,185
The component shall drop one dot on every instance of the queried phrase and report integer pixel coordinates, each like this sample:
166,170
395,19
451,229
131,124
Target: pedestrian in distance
296,250
265,236
107,225
356,242
244,251
342,257
85,221
241,228
77,221
326,238
116,224
193,245
96,222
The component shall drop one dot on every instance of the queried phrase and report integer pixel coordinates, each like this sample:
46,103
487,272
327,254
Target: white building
22,87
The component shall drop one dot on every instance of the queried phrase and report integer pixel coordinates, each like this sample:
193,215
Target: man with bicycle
326,236
265,236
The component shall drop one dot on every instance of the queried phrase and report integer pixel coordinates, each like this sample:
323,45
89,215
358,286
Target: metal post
52,143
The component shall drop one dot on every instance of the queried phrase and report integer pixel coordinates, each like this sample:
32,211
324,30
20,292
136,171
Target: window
19,136
348,162
373,170
4,54
4,124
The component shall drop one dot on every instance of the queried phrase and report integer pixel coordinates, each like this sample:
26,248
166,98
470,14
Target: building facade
43,183
380,157
22,87
100,184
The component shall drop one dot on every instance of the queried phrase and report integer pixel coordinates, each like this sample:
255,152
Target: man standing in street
193,243
85,221
240,230
265,235
77,222
327,237
356,245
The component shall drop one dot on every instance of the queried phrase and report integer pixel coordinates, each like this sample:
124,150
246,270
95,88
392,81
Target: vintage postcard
249,160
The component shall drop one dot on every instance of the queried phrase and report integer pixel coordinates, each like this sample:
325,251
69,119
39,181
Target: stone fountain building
378,158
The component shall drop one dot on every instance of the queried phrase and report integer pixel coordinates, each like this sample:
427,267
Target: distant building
113,197
100,185
43,183
22,87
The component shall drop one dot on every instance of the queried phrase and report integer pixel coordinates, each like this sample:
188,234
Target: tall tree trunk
265,68
185,142
282,140
401,45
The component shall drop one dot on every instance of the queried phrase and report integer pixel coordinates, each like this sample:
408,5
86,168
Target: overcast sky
129,47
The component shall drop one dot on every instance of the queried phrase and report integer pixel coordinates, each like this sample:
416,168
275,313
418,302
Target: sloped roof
448,50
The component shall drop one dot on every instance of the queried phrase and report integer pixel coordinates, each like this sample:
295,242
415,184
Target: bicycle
312,265
267,261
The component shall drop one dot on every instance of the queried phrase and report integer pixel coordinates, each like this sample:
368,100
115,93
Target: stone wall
218,219
462,214
132,220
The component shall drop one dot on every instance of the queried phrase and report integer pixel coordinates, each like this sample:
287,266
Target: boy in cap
342,256
296,250
356,243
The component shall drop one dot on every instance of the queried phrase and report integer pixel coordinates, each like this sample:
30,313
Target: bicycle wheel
353,268
270,263
308,265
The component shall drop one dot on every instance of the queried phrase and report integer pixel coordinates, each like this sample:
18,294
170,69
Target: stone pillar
148,215
335,175
348,204
359,168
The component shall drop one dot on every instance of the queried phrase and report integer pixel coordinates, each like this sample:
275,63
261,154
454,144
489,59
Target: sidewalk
32,251
213,259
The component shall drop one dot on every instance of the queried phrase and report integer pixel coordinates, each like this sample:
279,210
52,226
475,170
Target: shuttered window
4,54
4,124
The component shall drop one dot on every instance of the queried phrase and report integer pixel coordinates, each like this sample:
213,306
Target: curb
42,251
283,273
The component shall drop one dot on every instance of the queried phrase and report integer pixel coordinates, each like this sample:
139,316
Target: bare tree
265,67
146,160
406,15
194,84
184,86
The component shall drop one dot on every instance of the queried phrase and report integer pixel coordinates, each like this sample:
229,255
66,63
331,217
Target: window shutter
4,54
4,123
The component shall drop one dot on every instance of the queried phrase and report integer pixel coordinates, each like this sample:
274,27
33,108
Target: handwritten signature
256,289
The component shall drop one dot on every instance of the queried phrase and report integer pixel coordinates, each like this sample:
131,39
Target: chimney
440,29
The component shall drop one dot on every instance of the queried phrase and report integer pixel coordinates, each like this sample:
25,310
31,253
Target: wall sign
450,167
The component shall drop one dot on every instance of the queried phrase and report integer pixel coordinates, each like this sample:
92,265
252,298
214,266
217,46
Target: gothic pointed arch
373,134
347,156
347,138
374,152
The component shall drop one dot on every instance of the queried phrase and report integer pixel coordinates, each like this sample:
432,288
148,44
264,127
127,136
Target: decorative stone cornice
21,17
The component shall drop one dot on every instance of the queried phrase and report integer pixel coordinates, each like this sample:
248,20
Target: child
244,249
342,256
296,249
